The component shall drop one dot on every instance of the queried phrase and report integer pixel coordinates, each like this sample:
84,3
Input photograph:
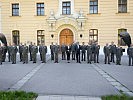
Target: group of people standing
75,51
89,53
23,50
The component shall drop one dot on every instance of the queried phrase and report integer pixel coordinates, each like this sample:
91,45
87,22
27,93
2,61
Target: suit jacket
77,48
113,49
130,51
73,47
89,49
119,51
83,48
106,50
56,49
63,48
68,49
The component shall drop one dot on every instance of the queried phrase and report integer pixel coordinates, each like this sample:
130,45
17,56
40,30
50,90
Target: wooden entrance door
66,37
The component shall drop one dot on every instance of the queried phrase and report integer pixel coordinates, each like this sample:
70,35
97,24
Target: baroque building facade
66,21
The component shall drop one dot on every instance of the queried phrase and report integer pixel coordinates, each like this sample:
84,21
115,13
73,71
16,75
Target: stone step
61,97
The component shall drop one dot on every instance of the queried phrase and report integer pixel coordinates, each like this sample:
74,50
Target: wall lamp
52,35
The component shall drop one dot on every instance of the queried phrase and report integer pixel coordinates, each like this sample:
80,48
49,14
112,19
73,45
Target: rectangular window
93,6
122,6
40,37
15,9
93,35
120,41
40,9
66,8
15,36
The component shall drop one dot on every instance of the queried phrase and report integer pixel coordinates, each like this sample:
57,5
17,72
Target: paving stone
129,93
68,98
111,80
82,98
55,98
95,98
116,84
43,98
106,76
122,88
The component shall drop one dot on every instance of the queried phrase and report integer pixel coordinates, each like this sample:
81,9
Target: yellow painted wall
107,21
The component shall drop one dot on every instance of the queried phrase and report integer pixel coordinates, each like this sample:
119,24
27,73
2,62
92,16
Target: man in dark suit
112,51
68,52
78,48
89,53
97,48
130,55
56,52
106,51
73,51
63,51
83,49
52,51
30,50
119,54
20,52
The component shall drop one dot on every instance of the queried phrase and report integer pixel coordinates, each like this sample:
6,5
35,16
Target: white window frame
60,6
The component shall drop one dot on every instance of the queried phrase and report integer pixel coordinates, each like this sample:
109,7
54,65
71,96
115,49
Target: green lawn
17,95
117,97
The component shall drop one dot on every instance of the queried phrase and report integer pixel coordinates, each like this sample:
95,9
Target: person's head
24,44
107,44
112,43
13,44
77,43
83,43
31,43
56,44
52,43
9,44
34,44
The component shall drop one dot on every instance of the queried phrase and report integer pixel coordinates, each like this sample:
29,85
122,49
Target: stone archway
66,37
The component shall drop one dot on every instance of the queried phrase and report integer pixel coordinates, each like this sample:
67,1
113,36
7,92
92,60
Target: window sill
40,15
15,16
93,14
123,13
66,15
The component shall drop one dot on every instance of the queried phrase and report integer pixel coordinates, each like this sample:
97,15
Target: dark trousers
78,57
9,57
63,56
112,57
4,57
73,55
40,56
21,56
56,57
68,56
94,58
25,58
107,58
130,60
1,59
88,58
83,56
118,60
30,56
97,57
13,57
52,56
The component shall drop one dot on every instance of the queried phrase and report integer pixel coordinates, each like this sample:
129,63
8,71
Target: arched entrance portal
66,37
